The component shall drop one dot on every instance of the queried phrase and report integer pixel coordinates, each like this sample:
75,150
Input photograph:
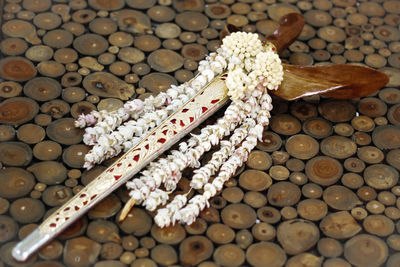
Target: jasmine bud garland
251,69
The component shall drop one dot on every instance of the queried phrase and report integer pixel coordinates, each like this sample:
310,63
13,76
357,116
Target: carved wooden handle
289,29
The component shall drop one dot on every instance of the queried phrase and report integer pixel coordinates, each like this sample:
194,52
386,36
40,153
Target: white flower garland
189,213
167,171
202,174
145,116
252,68
174,212
169,215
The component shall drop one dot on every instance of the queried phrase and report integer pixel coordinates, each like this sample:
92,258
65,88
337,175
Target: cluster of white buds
249,64
236,82
268,69
239,46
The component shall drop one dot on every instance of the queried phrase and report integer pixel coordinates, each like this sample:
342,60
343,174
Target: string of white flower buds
168,171
212,134
108,143
166,216
106,122
125,137
189,213
130,108
171,178
174,211
169,214
211,66
111,143
265,108
203,174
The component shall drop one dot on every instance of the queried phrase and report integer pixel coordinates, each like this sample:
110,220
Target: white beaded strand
169,215
189,213
146,116
203,174
210,67
168,170
165,216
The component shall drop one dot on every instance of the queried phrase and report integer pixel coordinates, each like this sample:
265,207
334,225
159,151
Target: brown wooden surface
358,33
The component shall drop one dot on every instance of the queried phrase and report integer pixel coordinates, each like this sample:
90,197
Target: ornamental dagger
298,82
